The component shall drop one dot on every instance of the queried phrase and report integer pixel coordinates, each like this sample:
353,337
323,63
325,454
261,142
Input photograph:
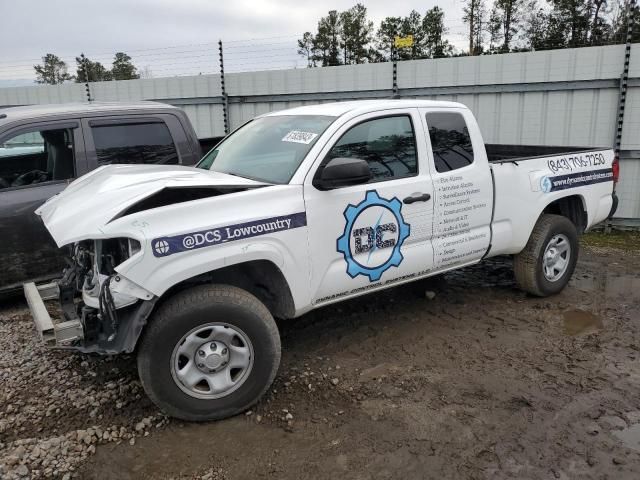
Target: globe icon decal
161,247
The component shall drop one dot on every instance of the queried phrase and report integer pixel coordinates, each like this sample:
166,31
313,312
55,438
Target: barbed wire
240,55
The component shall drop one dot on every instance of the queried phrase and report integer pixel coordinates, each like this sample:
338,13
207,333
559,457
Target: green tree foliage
326,43
493,26
53,70
619,24
306,49
434,31
95,71
357,34
122,67
474,15
574,15
413,24
567,23
389,28
494,30
535,25
509,11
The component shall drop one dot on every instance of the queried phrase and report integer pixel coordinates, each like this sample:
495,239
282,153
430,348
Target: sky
178,37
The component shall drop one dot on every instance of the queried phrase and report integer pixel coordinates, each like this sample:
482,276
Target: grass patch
627,241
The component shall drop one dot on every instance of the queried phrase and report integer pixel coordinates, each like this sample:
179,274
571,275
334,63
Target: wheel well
571,207
261,278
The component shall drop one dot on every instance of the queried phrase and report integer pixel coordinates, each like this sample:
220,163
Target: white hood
89,203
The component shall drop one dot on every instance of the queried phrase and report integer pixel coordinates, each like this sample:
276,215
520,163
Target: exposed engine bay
92,292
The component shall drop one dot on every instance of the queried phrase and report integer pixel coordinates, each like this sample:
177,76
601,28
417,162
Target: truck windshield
267,149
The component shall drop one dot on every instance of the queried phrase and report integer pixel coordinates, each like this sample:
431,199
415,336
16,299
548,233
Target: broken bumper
65,333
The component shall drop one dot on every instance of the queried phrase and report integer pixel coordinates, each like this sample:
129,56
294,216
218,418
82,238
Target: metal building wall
559,97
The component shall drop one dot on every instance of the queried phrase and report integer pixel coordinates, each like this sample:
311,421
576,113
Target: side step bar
53,335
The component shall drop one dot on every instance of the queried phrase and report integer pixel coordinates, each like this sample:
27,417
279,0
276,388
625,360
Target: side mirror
342,172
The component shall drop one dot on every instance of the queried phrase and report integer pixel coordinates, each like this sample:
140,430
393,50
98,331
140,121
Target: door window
37,157
141,143
450,141
388,144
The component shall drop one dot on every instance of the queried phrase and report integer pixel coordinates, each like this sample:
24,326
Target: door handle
425,197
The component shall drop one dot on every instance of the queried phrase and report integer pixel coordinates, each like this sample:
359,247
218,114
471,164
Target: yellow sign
403,42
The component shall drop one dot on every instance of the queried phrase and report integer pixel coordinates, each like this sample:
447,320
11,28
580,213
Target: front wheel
209,352
548,260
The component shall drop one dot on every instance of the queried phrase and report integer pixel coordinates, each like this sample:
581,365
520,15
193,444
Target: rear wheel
209,352
548,260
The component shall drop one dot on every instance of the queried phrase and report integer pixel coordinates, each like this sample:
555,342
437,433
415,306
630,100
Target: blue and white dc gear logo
545,184
161,247
373,236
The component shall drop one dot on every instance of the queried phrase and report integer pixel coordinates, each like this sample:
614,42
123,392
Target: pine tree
434,31
509,11
53,70
122,68
95,71
474,16
356,34
326,42
494,29
534,26
389,29
305,48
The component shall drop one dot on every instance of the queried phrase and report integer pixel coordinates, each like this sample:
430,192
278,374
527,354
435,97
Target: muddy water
630,436
580,322
608,284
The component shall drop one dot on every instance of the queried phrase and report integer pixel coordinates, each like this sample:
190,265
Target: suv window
37,157
388,144
134,143
450,141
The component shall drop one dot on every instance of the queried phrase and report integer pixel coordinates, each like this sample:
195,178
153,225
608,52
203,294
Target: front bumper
63,334
82,327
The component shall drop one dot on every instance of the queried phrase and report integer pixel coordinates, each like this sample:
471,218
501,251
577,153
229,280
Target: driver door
367,236
32,170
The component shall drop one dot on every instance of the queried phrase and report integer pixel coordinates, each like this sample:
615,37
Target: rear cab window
450,141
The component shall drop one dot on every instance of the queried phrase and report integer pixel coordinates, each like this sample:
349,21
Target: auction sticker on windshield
296,136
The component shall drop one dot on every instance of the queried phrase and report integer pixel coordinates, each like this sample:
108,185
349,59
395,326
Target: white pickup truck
295,210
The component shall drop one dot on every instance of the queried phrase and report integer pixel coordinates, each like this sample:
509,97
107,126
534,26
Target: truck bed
509,153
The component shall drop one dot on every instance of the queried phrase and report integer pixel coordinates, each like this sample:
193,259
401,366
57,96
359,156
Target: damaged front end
102,311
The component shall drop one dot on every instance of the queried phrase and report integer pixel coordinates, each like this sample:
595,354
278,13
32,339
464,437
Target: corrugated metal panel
329,79
631,125
548,66
629,189
516,100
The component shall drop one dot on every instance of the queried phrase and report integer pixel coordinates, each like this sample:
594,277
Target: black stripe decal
574,180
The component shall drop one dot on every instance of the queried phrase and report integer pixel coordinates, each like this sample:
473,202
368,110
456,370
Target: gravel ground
460,376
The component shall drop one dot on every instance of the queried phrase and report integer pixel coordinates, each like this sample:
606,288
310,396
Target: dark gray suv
44,147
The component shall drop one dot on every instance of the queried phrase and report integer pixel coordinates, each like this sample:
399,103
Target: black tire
528,264
182,313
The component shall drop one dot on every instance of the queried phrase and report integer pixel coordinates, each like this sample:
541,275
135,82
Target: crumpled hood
93,200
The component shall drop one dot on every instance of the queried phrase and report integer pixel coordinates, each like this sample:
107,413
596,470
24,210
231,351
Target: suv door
37,161
463,188
137,139
363,237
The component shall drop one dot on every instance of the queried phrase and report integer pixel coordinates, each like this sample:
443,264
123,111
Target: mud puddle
608,284
580,322
630,436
